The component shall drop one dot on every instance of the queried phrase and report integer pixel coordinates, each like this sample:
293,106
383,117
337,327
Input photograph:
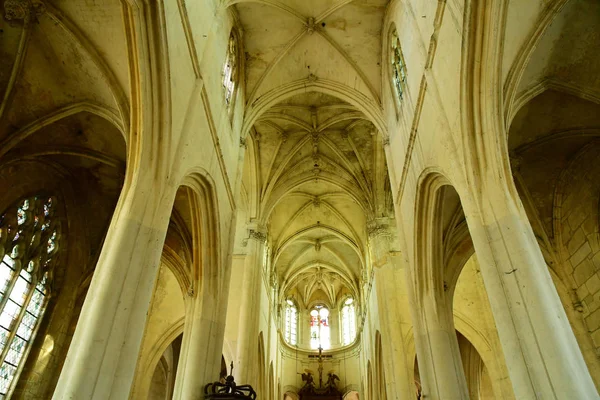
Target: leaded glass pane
36,303
30,252
7,372
16,350
319,328
26,327
10,312
5,274
348,321
230,70
26,275
3,338
397,66
19,292
291,325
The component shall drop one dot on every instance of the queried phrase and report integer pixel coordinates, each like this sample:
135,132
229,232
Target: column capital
257,235
382,240
381,227
255,232
23,10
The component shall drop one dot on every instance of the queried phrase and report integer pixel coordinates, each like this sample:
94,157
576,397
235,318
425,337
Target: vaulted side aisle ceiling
315,172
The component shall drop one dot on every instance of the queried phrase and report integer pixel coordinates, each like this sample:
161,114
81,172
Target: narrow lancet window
291,322
398,67
348,321
230,70
319,328
29,239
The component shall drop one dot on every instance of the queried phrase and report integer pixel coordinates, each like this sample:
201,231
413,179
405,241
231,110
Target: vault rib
352,63
348,166
361,162
332,9
288,118
280,169
273,63
272,3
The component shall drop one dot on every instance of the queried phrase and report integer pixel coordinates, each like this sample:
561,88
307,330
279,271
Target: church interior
299,199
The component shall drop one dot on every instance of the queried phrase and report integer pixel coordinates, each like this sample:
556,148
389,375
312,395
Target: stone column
335,330
440,366
440,363
303,328
543,358
101,360
200,360
248,310
393,303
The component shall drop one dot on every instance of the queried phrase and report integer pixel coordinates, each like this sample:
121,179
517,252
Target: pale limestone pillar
335,330
393,304
101,360
201,350
438,354
543,358
303,328
249,311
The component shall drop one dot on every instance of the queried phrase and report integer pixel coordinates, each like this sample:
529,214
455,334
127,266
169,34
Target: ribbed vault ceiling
315,170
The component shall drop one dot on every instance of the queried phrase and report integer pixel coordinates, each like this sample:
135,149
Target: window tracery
348,321
291,322
230,70
319,328
29,241
398,66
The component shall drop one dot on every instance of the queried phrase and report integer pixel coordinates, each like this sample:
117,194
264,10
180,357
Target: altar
328,391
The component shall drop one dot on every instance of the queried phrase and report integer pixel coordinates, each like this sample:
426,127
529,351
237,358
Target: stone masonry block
594,241
582,292
583,272
596,337
593,321
591,303
593,284
565,230
577,217
596,260
590,224
581,254
576,241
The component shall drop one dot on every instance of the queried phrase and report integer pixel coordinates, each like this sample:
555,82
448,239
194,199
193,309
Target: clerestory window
348,321
230,70
291,322
29,239
319,328
398,67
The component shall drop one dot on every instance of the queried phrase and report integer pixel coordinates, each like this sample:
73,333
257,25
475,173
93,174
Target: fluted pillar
542,355
393,302
101,360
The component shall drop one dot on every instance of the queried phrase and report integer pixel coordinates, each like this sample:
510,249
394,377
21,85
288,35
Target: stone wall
579,233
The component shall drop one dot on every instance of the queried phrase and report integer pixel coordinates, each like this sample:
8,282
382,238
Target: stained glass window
348,321
398,66
291,322
230,70
29,236
319,328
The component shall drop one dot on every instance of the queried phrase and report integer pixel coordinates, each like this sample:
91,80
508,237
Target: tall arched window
319,328
398,67
291,322
348,321
29,238
230,70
